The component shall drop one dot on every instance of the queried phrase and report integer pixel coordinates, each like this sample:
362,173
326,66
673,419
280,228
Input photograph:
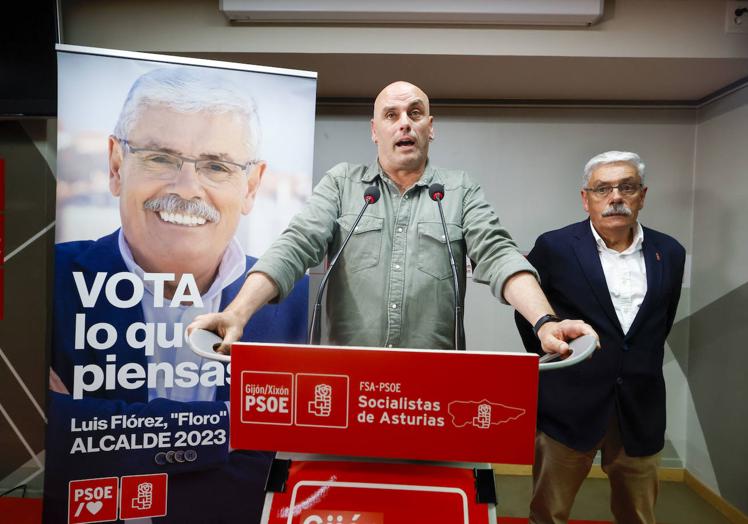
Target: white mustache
172,203
618,208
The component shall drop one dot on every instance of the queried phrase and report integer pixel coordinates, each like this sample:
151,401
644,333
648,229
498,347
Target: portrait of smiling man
184,179
184,165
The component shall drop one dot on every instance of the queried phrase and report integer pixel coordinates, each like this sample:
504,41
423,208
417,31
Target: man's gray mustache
175,204
617,209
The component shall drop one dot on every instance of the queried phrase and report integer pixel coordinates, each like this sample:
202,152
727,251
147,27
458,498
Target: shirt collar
233,265
636,244
375,170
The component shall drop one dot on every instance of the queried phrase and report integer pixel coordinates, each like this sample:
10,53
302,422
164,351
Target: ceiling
670,53
513,79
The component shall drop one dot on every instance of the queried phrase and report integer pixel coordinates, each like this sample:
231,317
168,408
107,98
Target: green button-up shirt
392,285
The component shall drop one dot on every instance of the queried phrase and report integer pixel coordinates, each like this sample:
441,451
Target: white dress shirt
626,276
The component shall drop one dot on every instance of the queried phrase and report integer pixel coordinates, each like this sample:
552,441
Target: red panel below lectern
424,405
375,493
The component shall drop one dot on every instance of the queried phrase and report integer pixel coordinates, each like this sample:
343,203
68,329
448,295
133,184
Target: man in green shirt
392,286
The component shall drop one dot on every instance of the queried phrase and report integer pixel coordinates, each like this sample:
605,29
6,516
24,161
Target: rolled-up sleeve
304,242
495,255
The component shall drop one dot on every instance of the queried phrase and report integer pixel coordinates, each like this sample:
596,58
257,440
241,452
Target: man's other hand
554,336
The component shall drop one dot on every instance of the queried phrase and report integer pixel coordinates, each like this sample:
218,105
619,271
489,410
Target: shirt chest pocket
364,247
433,257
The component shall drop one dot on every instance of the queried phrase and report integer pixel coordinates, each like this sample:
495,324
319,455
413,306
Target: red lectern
386,411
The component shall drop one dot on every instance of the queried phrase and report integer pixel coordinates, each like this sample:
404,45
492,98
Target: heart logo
94,507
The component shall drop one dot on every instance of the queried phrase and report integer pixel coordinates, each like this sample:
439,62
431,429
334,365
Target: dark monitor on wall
28,69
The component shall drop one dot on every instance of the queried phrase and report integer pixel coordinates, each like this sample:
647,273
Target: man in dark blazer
625,281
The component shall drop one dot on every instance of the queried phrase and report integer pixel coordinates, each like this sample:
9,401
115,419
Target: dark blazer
624,378
235,480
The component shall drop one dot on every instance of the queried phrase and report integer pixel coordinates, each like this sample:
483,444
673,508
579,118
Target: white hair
190,90
612,157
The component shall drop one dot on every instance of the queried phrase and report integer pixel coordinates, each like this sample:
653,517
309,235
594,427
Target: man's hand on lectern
554,336
229,324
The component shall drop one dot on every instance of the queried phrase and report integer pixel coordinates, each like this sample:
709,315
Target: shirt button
394,306
406,197
399,230
619,380
389,345
444,238
397,266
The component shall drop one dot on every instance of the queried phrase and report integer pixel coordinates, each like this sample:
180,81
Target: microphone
371,195
436,192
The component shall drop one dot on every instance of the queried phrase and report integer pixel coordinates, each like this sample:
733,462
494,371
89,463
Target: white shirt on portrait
233,265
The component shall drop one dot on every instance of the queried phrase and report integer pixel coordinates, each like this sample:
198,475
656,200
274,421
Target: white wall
721,189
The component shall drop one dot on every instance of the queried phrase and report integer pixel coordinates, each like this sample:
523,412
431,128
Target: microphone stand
459,325
371,195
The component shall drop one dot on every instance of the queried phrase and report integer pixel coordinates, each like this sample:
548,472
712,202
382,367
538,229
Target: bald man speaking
392,286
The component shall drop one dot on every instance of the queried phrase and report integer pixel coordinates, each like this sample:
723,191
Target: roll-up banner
173,174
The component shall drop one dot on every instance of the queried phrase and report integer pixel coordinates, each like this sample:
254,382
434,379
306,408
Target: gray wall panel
717,368
29,194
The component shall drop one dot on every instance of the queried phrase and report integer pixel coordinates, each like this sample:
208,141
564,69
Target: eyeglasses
626,189
162,165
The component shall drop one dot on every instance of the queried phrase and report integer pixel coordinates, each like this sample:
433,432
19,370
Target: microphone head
436,191
371,195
